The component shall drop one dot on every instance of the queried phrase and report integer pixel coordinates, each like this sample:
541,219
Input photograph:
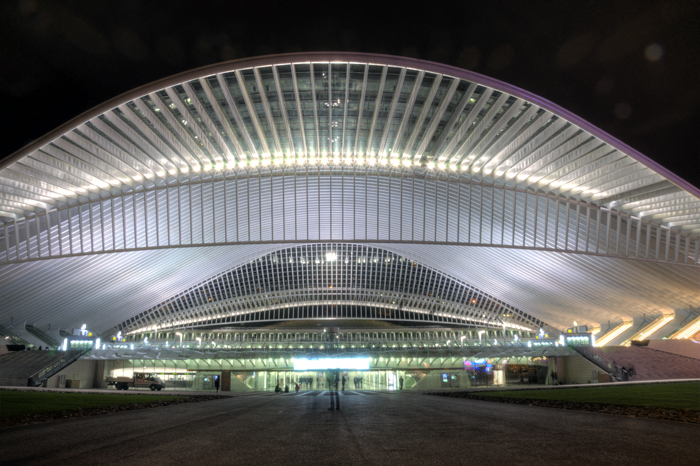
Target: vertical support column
566,233
618,235
556,225
646,243
678,247
588,224
92,228
48,233
627,236
80,226
60,232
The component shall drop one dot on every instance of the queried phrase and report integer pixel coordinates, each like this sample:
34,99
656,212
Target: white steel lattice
331,281
341,203
325,128
220,165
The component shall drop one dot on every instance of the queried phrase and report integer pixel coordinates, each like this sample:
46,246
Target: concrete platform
371,428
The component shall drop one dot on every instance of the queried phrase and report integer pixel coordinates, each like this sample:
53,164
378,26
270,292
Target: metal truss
332,131
331,281
256,155
392,205
273,358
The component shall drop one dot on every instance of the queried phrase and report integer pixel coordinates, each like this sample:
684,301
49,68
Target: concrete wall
577,369
433,381
82,369
682,347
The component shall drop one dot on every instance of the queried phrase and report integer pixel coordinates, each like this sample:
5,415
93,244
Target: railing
13,336
289,344
588,353
43,336
71,356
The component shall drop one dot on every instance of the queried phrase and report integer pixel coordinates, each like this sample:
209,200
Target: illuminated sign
358,364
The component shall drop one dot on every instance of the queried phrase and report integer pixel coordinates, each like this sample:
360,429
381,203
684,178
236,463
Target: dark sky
631,68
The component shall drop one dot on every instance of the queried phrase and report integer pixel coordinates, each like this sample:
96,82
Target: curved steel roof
331,281
254,155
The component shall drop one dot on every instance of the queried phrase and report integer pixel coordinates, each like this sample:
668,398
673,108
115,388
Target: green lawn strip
20,403
682,395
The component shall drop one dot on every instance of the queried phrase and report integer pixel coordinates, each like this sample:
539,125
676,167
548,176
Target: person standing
400,383
216,383
343,383
333,379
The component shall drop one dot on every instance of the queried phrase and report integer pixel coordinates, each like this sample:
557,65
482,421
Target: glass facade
477,373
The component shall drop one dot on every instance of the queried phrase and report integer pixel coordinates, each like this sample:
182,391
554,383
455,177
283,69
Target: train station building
409,223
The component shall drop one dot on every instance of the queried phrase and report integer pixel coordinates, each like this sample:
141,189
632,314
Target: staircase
31,368
649,364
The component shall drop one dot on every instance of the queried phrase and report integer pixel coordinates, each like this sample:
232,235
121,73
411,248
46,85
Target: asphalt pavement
370,428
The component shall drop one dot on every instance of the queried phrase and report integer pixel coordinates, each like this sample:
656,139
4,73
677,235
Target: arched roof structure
180,180
331,281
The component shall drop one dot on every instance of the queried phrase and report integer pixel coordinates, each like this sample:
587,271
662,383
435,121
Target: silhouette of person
333,380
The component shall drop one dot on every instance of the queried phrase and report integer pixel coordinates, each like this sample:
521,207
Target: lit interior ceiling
331,281
175,182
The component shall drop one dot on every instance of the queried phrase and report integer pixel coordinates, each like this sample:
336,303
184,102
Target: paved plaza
370,428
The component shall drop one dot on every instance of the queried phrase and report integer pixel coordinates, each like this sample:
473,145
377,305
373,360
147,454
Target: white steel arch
261,154
373,123
331,281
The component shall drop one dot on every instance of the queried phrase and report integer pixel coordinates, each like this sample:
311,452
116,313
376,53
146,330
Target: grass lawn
18,403
681,395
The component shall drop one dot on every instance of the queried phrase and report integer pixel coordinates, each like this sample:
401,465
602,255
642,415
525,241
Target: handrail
71,356
41,335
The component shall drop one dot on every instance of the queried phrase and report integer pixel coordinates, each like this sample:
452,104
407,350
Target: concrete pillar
225,381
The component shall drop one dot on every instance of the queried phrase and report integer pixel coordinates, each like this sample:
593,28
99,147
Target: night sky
630,68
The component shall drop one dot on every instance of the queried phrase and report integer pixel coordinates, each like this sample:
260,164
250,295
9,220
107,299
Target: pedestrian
296,387
286,388
343,383
333,379
216,383
400,383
